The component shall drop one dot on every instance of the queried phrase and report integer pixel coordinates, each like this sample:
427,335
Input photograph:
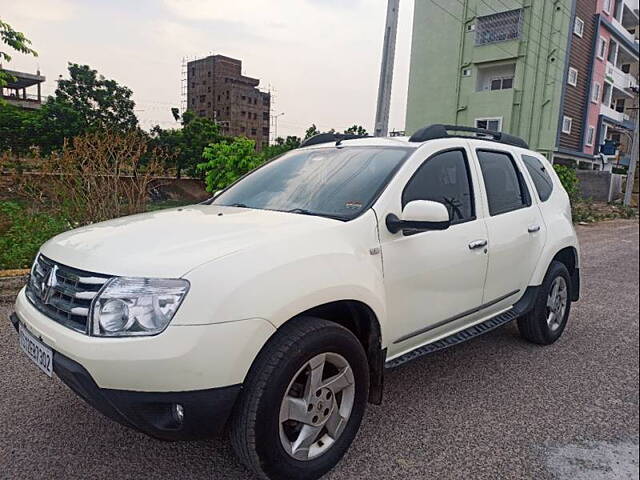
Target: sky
320,58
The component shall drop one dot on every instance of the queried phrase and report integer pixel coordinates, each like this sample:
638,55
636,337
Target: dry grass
95,177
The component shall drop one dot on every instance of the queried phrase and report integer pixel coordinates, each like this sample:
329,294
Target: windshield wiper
303,211
239,205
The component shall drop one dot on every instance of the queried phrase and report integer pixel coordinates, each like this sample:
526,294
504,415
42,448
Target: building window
265,116
602,48
254,131
505,83
595,93
567,123
265,131
499,27
573,77
607,93
208,74
606,7
493,124
495,77
613,53
591,134
578,27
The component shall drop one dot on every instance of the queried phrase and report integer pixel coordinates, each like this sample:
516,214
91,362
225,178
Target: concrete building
217,89
15,92
526,67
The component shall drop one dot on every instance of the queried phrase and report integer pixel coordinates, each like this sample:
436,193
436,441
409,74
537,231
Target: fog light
178,412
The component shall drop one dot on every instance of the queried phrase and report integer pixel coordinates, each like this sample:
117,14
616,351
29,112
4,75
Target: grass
585,211
22,232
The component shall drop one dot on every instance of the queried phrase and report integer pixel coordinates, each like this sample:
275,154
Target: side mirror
420,215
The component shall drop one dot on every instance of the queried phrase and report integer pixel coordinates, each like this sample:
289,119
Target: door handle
477,244
534,228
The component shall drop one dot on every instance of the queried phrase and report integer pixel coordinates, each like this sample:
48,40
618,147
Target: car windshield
330,182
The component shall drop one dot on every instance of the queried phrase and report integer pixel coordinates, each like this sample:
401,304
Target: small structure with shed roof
15,91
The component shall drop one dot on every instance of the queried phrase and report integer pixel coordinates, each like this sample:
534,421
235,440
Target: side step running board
522,307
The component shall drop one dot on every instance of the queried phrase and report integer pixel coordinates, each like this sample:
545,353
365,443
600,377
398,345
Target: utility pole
275,125
386,69
631,173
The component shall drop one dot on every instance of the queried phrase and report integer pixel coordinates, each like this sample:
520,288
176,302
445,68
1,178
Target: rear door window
505,186
540,176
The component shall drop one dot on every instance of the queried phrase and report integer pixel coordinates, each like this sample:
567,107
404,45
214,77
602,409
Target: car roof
405,143
370,142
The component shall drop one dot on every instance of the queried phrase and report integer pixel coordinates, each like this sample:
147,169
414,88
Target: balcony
623,31
623,81
614,114
625,19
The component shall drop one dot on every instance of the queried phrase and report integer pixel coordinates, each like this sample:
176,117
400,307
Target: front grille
64,294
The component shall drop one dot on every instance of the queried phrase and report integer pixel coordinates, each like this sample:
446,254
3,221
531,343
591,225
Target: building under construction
216,89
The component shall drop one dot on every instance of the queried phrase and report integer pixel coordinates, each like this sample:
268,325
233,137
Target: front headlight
136,306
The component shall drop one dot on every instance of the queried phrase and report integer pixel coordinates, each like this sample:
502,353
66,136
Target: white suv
276,307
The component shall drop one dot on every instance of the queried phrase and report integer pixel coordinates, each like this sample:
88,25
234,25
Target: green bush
228,161
22,232
569,180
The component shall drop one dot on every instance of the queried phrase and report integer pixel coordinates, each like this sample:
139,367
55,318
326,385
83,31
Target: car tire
278,414
548,318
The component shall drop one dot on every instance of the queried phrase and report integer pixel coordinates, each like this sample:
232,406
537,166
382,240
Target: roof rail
431,132
329,137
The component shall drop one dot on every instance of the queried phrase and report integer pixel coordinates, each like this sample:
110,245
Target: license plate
41,355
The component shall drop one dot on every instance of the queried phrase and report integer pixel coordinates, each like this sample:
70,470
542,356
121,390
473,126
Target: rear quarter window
540,176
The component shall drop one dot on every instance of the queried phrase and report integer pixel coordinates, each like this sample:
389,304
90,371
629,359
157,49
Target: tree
311,131
187,143
101,103
282,145
15,40
356,130
227,161
16,127
54,123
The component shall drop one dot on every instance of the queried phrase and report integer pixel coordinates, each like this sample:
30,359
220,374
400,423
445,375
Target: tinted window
506,190
444,178
331,182
540,176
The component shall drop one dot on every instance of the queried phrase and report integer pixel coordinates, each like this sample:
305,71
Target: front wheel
548,319
302,402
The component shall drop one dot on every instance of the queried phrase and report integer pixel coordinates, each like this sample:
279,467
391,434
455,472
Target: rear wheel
548,319
302,402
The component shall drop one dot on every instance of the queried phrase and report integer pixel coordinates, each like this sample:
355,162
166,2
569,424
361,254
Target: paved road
495,407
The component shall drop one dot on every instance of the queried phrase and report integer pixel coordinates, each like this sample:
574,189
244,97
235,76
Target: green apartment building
519,66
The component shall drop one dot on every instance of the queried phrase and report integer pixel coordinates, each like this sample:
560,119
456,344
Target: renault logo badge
48,285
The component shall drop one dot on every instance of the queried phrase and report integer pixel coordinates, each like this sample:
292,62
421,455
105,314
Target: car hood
170,243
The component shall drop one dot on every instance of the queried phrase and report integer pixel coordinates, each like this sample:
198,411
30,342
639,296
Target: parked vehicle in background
276,307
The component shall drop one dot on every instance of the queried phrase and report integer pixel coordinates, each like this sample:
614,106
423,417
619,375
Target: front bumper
205,411
180,359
